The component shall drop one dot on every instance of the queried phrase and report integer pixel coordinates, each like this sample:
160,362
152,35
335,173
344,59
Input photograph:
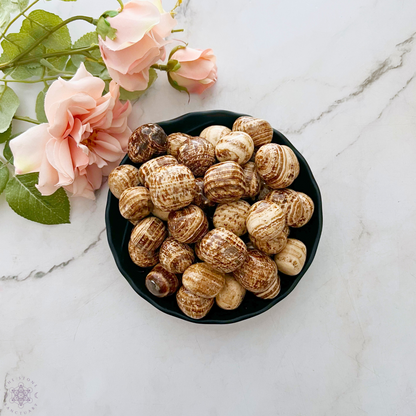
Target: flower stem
178,3
34,81
16,17
27,119
121,5
42,38
48,65
78,51
160,67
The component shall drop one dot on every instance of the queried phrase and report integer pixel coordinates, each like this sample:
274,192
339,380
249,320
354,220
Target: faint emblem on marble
21,393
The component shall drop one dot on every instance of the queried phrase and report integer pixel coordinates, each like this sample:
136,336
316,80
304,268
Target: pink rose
140,42
86,136
198,70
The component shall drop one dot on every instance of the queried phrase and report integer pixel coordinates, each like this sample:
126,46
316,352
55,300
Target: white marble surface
338,78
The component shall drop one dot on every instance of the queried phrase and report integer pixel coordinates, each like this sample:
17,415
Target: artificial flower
142,27
85,137
198,69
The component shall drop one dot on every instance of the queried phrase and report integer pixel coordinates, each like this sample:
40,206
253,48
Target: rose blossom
139,43
86,137
198,70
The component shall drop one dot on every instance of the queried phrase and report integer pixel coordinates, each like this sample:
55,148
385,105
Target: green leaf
22,4
175,85
24,198
40,23
12,47
6,135
5,12
7,153
4,176
58,62
40,106
87,40
172,65
70,66
134,95
110,13
9,7
104,29
9,102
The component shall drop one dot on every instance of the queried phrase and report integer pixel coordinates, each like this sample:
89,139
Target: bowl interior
119,229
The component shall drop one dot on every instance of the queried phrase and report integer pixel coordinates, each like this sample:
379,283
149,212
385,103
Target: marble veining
338,78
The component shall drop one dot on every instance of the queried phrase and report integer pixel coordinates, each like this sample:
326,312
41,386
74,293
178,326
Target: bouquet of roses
81,131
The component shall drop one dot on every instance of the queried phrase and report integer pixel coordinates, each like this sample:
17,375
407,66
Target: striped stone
175,141
148,235
172,187
222,250
232,216
202,280
270,246
188,225
160,282
197,154
142,259
214,133
307,210
200,199
292,258
257,273
122,178
152,165
236,146
194,306
253,181
272,291
224,182
135,203
277,165
145,142
174,256
265,220
289,201
231,295
260,130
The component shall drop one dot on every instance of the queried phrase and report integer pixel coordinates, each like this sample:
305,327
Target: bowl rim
273,302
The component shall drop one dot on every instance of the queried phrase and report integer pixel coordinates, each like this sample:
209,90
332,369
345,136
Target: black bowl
119,229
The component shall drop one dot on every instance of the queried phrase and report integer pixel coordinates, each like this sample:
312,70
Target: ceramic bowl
119,229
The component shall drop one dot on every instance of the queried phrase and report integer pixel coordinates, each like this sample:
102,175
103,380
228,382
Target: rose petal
195,70
82,82
107,147
79,158
136,19
164,28
131,82
187,54
94,176
146,50
59,156
81,187
193,87
29,148
48,178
